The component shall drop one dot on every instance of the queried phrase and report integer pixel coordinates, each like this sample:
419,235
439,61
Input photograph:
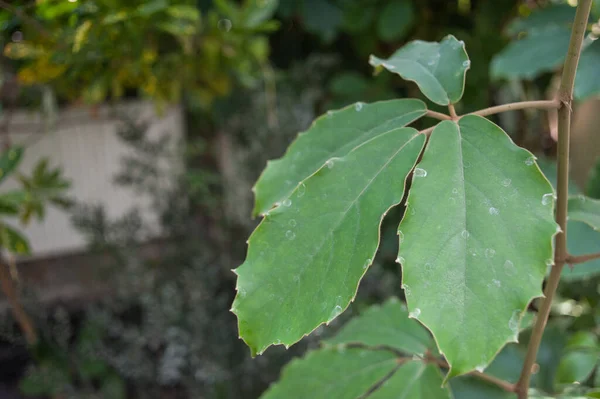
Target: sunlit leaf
475,240
438,69
557,16
331,135
306,258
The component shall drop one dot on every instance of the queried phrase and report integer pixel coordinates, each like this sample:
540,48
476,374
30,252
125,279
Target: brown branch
544,104
452,111
438,115
21,316
505,385
576,259
565,96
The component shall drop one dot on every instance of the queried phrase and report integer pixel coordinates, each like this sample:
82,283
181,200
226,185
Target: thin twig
21,316
565,96
438,115
576,259
505,385
427,131
452,111
543,104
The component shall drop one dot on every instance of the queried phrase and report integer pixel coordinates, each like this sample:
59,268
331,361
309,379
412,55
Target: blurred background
132,132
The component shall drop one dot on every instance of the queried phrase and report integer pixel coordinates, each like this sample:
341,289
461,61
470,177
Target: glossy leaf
331,135
540,51
438,69
387,325
306,258
9,160
475,240
332,373
414,380
586,81
586,210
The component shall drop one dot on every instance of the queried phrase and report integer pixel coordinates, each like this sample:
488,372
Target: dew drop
547,199
494,211
429,266
329,114
509,268
455,191
406,289
497,283
506,182
529,161
412,211
431,63
400,260
467,64
293,223
513,323
287,202
452,200
480,368
465,234
290,235
358,106
367,263
549,262
400,236
415,313
301,190
329,163
420,172
335,312
241,293
490,252
225,25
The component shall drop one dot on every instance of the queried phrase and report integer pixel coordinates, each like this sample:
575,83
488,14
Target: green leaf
540,51
475,240
152,7
438,69
582,240
332,373
414,380
592,188
395,19
9,161
331,135
12,240
387,325
258,11
557,16
183,11
587,83
307,256
586,210
10,202
322,18
580,360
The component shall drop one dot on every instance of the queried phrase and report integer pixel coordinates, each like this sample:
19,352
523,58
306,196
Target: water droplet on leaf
287,202
420,172
358,106
290,235
489,253
400,236
465,234
494,211
301,190
529,161
467,64
225,25
547,199
292,222
406,289
506,182
415,313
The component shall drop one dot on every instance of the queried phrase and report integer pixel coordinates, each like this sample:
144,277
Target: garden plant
482,228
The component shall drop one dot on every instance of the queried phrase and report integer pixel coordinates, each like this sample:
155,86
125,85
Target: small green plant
475,243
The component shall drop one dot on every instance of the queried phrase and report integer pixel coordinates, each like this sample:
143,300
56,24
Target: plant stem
505,385
26,18
23,320
438,115
573,260
452,111
565,96
547,104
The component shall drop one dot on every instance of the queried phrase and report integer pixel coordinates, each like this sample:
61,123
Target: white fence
86,146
